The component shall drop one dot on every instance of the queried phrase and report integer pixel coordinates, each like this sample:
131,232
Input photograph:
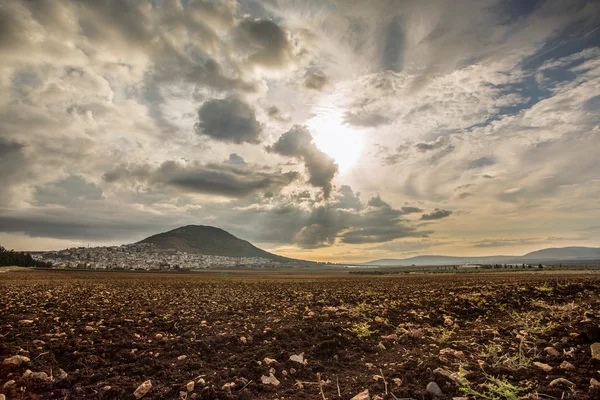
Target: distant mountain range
209,240
565,254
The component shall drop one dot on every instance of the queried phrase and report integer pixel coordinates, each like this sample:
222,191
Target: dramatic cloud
228,120
235,158
265,42
66,191
12,163
298,143
436,214
315,80
229,180
121,118
344,219
481,162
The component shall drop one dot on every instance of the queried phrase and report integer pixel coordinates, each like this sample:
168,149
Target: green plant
492,352
533,322
441,335
544,288
361,308
362,329
496,388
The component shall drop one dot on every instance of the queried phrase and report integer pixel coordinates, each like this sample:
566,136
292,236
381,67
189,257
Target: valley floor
234,335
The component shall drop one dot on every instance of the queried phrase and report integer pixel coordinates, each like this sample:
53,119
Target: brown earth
112,331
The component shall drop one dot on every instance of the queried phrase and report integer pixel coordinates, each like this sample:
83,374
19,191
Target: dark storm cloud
464,195
229,180
393,45
13,165
275,113
200,70
67,191
374,222
308,223
267,44
481,162
436,214
315,80
347,199
228,120
106,221
298,143
235,158
410,210
380,234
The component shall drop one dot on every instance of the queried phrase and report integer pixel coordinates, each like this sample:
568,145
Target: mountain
544,255
565,253
209,240
440,260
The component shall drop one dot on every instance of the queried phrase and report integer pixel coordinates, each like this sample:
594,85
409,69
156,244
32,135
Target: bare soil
391,335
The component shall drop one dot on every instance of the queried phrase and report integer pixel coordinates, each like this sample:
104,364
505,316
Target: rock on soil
299,358
434,389
594,384
16,360
190,386
362,396
595,348
552,351
269,380
567,365
9,387
453,376
542,366
562,382
39,376
142,389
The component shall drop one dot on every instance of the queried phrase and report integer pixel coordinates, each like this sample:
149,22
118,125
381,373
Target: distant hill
440,260
544,255
201,239
564,253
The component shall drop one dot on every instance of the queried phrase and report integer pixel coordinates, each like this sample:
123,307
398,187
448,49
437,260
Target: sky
322,130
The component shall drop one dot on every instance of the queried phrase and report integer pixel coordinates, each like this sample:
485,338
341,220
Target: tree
20,259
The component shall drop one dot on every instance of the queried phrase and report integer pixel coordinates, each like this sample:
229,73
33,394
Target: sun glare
336,138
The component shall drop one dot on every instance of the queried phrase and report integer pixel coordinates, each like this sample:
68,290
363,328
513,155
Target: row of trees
20,259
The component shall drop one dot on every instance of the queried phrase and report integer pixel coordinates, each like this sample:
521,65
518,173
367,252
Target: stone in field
269,380
142,389
362,396
595,349
299,358
542,366
15,360
561,382
552,351
433,389
567,365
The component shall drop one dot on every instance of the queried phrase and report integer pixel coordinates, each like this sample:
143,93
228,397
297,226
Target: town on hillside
144,256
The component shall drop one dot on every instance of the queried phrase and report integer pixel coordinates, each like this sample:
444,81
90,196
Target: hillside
544,255
441,260
201,239
565,253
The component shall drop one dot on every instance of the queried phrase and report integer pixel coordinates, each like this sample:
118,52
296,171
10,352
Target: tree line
20,259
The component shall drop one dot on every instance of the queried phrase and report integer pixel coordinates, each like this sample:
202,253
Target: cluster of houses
144,256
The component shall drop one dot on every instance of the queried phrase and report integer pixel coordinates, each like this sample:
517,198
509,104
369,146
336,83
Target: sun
337,139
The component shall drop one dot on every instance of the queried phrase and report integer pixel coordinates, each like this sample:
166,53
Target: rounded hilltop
205,239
